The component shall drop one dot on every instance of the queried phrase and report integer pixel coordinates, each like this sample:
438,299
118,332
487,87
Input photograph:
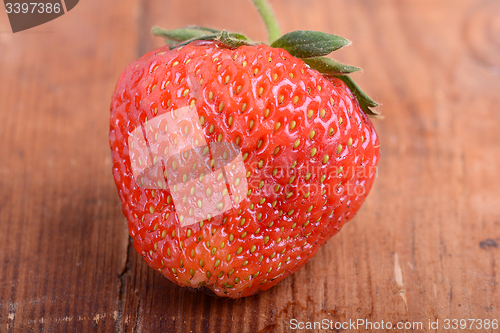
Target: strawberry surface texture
308,149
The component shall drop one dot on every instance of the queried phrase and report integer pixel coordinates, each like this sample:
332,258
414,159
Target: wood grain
425,245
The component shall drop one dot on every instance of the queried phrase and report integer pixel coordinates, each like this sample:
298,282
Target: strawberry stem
267,14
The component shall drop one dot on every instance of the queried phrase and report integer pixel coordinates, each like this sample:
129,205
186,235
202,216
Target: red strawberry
300,158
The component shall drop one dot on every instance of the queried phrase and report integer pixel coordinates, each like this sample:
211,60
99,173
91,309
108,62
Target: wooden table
423,247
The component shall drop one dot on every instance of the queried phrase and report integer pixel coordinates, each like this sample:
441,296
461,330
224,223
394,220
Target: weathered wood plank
62,239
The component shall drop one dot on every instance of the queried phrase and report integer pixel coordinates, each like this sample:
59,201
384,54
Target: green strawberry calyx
310,46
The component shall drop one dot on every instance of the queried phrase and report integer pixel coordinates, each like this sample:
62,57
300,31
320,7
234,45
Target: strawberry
235,161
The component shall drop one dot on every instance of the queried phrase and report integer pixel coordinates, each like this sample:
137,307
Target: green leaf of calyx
364,101
183,34
308,44
186,42
204,28
234,40
329,66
